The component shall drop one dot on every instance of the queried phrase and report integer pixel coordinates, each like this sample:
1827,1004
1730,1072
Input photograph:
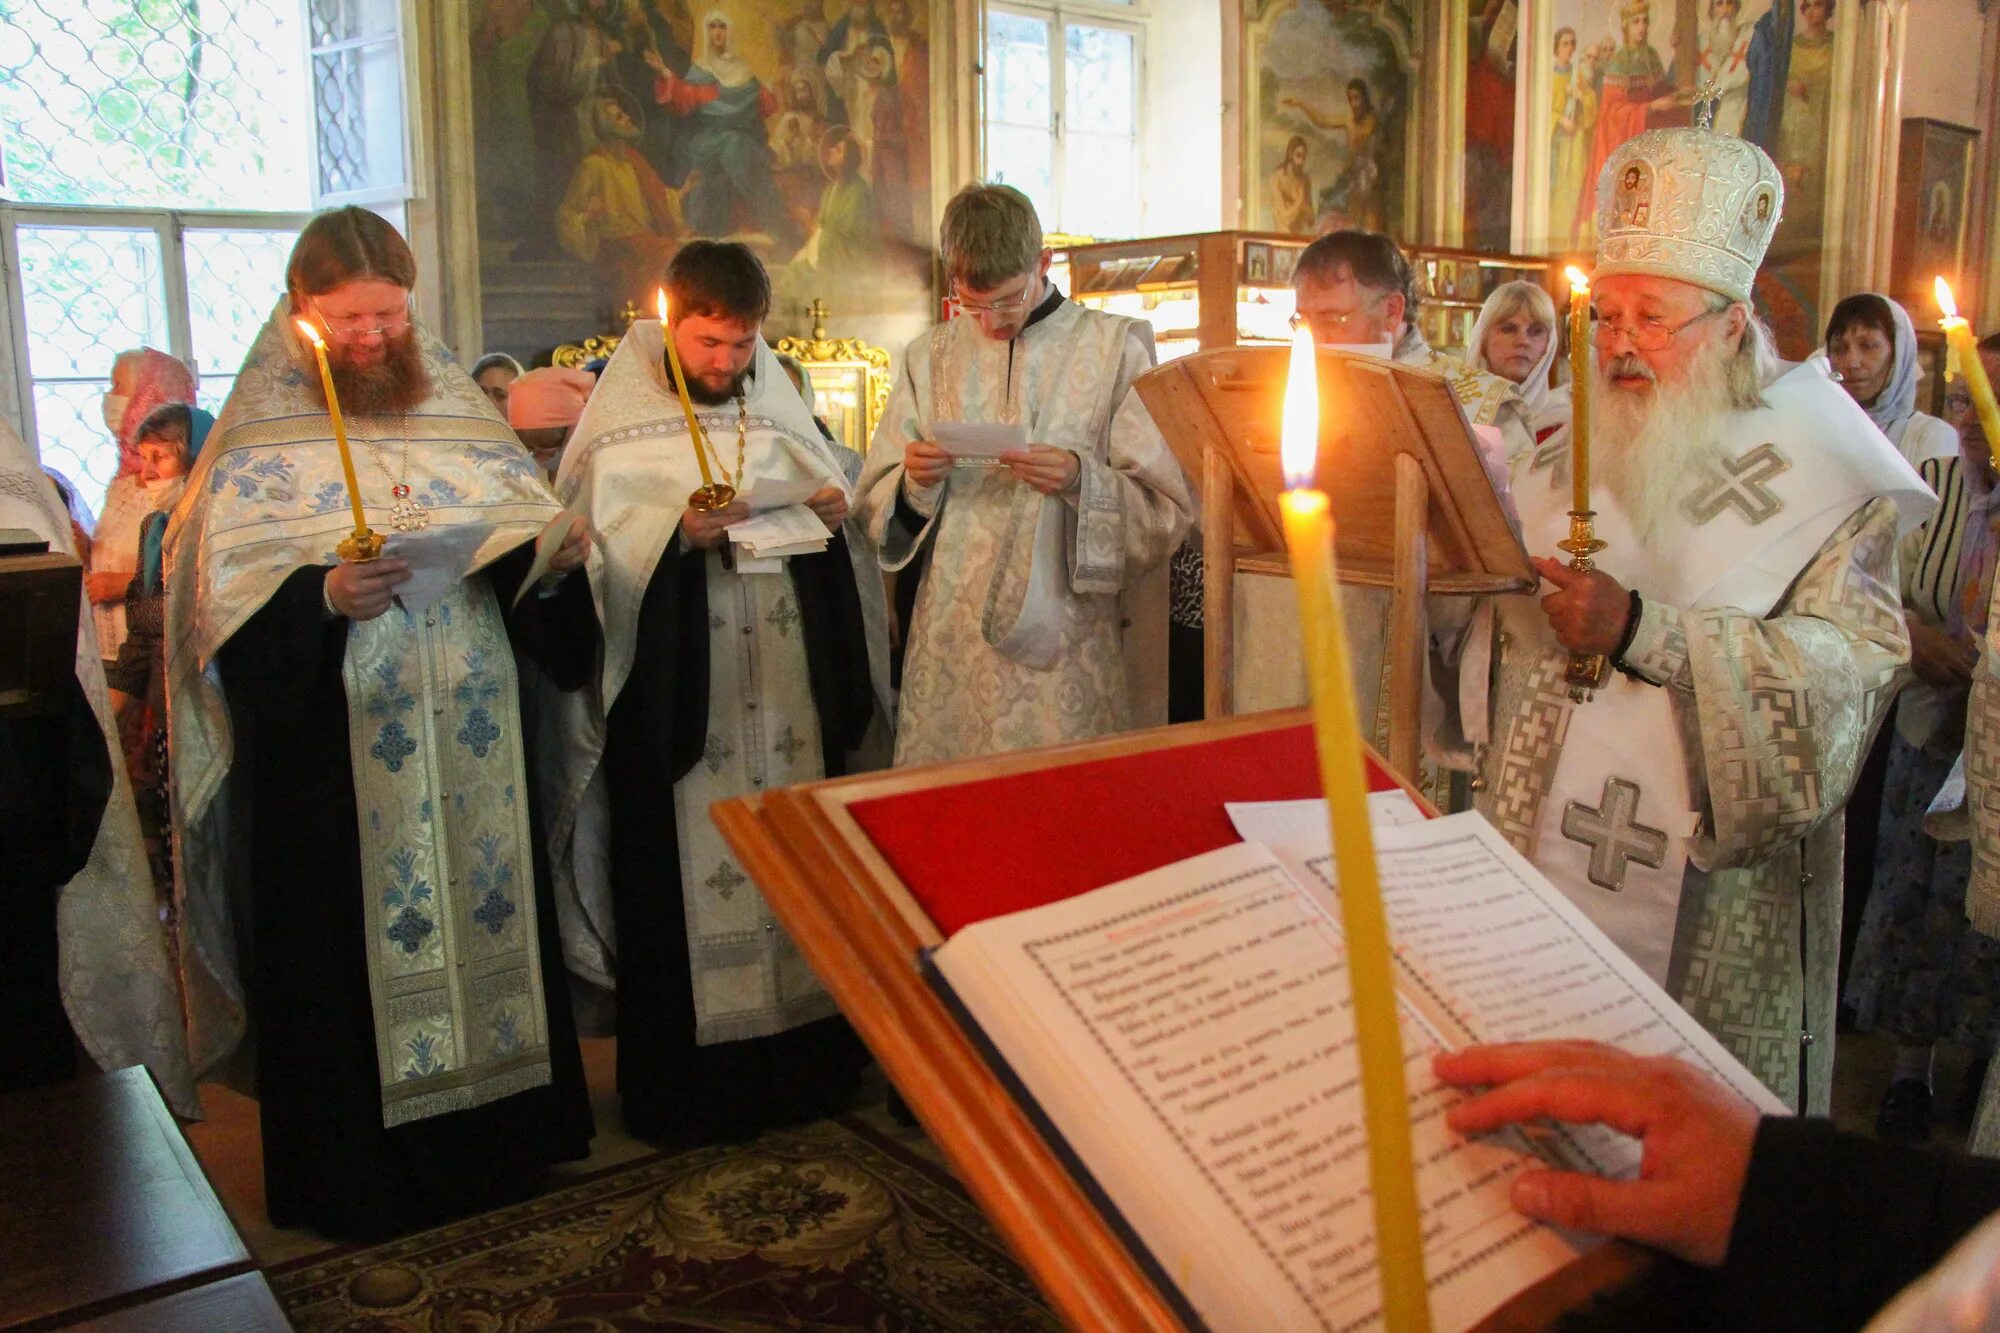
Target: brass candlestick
1586,671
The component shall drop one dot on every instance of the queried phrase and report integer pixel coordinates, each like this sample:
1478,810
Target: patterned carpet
842,1224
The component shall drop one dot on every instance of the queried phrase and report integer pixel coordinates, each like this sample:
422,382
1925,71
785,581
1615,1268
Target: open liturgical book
1187,1034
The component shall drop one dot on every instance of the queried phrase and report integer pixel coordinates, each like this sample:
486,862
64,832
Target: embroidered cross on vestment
1741,487
1613,835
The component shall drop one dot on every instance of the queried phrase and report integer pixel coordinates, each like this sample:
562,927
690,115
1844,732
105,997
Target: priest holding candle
364,892
723,673
1747,601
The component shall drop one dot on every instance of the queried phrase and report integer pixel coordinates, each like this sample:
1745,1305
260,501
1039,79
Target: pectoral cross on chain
1742,487
1614,837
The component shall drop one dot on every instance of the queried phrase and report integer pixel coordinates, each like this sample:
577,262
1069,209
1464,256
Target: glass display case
1225,288
1453,284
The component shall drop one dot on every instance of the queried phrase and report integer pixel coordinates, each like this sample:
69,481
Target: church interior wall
1941,60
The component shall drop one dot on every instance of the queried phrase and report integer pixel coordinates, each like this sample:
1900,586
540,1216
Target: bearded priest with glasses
363,881
1041,615
1747,605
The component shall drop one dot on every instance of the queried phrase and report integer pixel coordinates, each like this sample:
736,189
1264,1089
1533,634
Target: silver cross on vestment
1614,836
1743,486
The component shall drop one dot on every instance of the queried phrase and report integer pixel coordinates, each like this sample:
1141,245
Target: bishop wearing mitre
362,860
1747,603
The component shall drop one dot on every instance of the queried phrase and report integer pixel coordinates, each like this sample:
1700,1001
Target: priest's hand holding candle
1384,1096
1965,353
363,543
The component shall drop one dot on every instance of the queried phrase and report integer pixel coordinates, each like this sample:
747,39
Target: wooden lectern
869,872
40,596
1415,508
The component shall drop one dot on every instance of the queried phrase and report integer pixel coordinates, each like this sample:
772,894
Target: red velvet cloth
981,849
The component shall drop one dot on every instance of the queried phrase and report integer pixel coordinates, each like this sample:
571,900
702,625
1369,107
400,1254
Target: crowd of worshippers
406,849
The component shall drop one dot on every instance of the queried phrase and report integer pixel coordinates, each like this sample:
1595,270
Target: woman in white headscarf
1920,973
1515,338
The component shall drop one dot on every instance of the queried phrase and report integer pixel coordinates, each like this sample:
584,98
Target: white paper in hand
788,531
438,557
781,492
978,441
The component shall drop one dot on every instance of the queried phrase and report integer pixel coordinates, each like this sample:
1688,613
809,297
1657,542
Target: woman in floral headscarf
141,380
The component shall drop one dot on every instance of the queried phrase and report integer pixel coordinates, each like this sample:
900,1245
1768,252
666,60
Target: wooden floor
231,1151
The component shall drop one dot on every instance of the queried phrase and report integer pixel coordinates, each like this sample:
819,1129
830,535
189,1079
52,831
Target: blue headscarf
200,423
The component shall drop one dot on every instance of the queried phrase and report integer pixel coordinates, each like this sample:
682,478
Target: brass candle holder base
712,497
1586,672
363,545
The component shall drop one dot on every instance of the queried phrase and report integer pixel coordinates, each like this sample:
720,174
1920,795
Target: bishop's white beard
1649,445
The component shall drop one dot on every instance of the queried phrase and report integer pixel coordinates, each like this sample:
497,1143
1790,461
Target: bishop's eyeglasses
1650,334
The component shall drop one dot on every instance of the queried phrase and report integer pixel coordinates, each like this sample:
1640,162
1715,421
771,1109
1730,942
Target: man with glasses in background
1041,614
1355,290
1747,607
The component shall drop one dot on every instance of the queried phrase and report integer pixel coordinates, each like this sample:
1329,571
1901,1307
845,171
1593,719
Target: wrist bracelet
1634,610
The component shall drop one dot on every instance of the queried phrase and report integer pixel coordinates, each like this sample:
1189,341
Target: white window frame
17,380
402,190
1135,19
170,225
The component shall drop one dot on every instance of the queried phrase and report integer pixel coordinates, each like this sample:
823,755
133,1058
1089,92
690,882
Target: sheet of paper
1216,1097
1522,963
780,492
779,527
1297,830
978,439
438,556
547,543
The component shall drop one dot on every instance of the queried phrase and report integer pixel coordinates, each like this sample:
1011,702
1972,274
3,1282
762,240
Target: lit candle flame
1944,300
306,327
1298,440
660,300
1577,281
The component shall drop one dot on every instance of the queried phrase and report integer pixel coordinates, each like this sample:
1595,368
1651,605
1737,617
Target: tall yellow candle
1384,1095
363,544
1579,391
699,441
1965,348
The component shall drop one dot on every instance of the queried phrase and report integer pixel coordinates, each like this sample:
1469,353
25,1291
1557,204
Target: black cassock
329,1163
673,1091
55,779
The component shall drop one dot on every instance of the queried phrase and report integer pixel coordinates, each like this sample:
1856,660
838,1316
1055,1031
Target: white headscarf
1547,405
1898,398
729,71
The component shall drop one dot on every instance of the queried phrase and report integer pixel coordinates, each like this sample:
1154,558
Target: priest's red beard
396,383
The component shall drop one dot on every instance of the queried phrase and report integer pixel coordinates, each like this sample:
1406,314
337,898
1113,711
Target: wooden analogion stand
870,873
1415,508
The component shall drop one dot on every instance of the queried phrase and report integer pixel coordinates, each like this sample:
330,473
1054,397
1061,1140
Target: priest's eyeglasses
1648,335
1001,309
350,328
1340,321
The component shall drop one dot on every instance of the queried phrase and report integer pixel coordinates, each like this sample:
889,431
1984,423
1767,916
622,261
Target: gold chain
375,452
742,434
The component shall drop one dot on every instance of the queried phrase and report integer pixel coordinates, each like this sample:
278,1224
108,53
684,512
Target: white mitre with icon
1692,204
